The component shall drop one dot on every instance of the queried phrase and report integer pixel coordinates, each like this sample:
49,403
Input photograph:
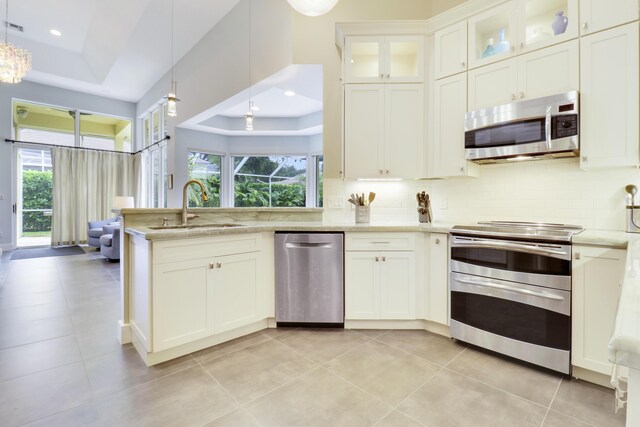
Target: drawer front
204,247
380,241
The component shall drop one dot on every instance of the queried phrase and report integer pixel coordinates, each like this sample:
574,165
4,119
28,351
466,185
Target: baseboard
592,377
7,247
124,332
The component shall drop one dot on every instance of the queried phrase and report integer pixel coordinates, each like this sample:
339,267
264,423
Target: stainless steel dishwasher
309,279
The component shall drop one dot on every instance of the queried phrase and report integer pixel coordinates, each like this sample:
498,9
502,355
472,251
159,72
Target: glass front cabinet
520,26
382,59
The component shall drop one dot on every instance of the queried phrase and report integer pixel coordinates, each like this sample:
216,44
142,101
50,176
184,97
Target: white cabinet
199,287
446,148
541,73
597,277
438,278
384,130
379,283
597,15
609,103
182,295
236,291
519,26
450,54
377,59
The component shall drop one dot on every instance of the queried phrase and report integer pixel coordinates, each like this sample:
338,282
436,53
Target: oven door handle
529,249
500,286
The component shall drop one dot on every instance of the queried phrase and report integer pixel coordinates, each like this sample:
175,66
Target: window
57,126
154,130
274,181
319,162
207,168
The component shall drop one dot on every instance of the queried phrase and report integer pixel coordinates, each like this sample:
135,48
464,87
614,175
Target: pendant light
313,7
249,116
15,61
172,100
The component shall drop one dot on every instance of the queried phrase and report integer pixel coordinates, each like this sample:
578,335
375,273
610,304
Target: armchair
95,230
110,242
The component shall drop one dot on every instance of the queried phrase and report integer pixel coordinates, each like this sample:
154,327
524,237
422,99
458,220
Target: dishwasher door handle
308,245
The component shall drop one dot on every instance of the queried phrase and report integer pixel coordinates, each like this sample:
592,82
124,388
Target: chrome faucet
185,216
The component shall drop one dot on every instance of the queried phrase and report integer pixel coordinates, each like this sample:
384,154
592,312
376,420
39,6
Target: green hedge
36,194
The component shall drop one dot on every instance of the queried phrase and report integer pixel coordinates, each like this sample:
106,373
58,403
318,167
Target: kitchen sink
195,226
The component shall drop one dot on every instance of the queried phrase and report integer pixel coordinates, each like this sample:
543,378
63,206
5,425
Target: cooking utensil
372,197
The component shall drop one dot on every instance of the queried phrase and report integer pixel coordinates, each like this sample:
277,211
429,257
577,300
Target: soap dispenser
633,218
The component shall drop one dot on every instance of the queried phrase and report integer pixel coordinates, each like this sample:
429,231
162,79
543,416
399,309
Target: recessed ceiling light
55,32
289,93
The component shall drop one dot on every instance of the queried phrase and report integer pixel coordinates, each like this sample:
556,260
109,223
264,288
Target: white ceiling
114,48
274,103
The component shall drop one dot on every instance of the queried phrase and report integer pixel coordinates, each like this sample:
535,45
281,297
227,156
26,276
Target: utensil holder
426,217
363,214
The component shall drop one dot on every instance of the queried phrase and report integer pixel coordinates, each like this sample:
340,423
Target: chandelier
15,61
313,7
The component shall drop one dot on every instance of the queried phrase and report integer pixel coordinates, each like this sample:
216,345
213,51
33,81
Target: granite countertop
259,226
612,239
624,346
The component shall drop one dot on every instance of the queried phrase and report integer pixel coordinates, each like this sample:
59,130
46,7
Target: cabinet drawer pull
381,243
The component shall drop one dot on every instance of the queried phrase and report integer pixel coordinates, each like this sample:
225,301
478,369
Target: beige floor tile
187,398
398,419
449,399
39,330
85,415
39,356
587,402
28,300
253,371
321,399
39,395
427,345
98,342
322,345
238,418
124,369
371,333
23,288
274,332
230,346
11,316
555,419
515,377
389,374
85,321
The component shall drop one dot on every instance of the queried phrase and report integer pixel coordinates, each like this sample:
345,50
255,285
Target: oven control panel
564,126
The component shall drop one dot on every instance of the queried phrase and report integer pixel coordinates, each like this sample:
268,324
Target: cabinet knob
437,241
384,259
218,265
212,266
585,158
577,255
462,169
387,171
521,95
381,76
377,259
513,97
381,171
464,64
340,172
585,25
521,45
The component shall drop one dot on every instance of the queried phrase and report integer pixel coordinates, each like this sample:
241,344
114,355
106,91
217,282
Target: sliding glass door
34,195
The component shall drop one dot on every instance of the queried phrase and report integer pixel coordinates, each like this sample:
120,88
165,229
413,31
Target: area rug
46,252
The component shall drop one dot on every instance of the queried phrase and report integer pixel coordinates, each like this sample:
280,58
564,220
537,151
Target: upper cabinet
451,50
544,72
382,59
598,15
609,103
520,26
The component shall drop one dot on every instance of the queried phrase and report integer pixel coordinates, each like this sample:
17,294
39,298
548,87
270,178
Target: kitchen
565,191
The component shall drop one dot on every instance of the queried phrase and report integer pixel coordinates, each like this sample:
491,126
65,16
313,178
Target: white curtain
85,183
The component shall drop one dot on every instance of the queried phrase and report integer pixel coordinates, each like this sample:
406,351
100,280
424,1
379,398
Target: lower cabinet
379,284
597,278
190,299
438,278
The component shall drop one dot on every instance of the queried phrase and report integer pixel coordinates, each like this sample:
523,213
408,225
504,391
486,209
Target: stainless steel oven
510,287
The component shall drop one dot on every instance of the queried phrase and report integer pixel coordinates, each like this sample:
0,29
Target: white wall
549,191
35,92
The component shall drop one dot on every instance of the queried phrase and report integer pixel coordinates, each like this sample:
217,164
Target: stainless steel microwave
538,128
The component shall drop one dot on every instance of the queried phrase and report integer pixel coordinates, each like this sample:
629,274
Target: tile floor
60,365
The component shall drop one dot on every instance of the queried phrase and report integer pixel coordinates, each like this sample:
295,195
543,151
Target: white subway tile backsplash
547,191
